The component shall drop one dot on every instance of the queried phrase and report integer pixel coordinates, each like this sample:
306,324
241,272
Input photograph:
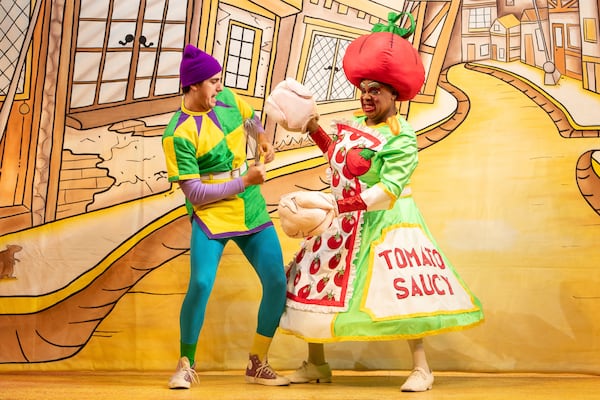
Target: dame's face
203,94
377,101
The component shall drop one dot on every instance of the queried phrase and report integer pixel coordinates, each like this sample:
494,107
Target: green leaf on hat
392,27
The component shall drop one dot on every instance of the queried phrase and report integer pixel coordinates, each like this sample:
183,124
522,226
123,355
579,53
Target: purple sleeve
199,193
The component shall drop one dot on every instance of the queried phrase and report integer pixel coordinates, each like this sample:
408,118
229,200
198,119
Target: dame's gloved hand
291,105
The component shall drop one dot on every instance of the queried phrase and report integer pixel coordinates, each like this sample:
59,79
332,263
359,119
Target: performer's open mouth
368,107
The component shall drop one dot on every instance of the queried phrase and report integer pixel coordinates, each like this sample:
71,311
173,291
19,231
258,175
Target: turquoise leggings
263,251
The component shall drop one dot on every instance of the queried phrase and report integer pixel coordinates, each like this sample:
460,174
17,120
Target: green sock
189,351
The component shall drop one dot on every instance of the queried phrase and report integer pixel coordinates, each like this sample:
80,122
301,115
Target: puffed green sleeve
398,159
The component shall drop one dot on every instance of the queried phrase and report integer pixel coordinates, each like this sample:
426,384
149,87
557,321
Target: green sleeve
398,159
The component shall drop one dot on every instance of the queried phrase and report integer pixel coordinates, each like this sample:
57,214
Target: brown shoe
262,373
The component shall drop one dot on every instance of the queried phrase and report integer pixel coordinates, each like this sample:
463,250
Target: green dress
375,274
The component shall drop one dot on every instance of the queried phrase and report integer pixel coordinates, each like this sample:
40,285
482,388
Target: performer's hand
267,152
256,175
311,125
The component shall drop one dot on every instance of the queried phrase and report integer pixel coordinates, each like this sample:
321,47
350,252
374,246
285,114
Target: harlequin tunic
374,275
203,144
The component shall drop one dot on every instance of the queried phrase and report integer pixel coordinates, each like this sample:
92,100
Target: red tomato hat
386,56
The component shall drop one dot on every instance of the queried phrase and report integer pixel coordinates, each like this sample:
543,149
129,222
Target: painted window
125,52
13,27
242,48
325,76
590,30
573,36
480,18
484,50
539,40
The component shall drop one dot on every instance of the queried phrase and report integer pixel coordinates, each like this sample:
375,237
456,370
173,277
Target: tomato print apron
372,275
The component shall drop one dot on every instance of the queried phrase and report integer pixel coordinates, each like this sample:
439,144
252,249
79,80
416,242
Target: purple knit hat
196,66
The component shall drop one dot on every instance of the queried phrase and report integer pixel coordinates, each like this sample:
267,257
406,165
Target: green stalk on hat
391,26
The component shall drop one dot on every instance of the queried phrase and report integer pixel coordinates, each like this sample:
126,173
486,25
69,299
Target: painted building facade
505,38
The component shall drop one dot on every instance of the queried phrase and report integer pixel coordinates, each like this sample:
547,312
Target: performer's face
377,101
204,93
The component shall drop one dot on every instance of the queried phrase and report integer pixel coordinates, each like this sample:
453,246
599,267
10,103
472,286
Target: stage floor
346,385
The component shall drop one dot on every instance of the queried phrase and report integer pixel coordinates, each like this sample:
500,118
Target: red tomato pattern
326,285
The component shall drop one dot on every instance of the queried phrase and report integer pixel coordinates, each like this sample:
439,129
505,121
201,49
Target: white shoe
309,372
418,381
183,376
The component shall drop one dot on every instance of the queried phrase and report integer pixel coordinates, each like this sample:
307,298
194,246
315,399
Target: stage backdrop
94,245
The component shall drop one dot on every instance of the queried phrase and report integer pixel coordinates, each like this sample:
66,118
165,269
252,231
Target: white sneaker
418,381
183,376
309,372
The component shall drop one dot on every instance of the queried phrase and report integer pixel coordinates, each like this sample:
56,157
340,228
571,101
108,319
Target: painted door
471,52
558,37
528,50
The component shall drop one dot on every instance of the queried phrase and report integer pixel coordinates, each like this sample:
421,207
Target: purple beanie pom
197,66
